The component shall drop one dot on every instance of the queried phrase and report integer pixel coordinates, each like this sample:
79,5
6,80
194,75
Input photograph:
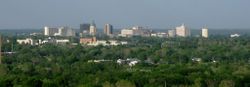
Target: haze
230,14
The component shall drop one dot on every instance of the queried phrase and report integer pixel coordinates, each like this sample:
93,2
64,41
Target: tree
124,83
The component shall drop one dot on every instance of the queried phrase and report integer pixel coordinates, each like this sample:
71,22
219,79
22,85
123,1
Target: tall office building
108,29
182,31
92,29
50,31
84,28
204,32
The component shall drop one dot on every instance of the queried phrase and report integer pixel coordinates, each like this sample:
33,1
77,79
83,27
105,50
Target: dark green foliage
164,62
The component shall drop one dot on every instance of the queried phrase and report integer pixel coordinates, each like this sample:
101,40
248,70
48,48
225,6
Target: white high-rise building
204,32
92,29
50,31
182,31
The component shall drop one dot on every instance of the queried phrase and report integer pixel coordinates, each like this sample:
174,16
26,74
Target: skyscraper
84,28
108,29
92,29
204,32
182,31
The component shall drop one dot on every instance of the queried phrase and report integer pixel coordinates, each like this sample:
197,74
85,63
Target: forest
164,62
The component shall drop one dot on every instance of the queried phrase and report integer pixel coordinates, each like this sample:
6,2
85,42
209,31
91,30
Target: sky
164,14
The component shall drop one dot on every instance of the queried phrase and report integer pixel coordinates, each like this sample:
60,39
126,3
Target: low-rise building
130,62
127,32
171,33
107,43
54,41
160,34
87,40
135,31
234,35
26,41
62,41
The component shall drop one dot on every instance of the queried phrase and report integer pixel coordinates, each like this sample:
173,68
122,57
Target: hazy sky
125,13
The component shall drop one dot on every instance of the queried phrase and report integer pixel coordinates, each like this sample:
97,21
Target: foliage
165,62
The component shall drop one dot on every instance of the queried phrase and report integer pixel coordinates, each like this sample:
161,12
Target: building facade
108,29
127,32
87,40
182,31
62,31
204,32
26,41
92,29
50,31
171,33
84,28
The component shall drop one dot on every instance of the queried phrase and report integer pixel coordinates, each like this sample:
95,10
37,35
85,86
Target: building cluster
183,31
91,29
234,35
26,41
135,31
87,29
31,41
129,61
94,42
61,31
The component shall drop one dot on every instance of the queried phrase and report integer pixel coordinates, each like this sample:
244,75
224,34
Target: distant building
171,33
196,59
87,40
127,32
159,34
128,61
54,41
50,31
182,31
62,41
135,31
94,42
65,31
234,35
62,31
204,32
84,28
92,29
108,29
26,41
108,43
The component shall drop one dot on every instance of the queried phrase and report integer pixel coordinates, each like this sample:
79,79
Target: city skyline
160,14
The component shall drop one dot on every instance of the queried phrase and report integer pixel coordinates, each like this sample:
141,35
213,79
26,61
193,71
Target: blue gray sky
18,14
